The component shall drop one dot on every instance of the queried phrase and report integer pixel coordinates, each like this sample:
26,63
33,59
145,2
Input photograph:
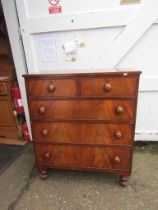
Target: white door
77,36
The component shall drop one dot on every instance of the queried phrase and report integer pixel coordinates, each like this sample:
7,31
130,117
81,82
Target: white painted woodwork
135,29
107,18
114,35
38,8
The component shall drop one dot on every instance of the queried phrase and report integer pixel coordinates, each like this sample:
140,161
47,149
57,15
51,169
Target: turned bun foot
43,174
124,180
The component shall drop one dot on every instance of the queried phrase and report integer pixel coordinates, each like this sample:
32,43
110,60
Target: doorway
13,127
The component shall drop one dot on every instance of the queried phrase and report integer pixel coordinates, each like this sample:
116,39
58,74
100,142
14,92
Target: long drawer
82,109
82,133
84,157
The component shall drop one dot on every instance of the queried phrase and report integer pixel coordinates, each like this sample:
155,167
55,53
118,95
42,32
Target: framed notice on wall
129,1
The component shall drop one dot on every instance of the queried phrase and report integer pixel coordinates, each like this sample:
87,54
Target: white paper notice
48,48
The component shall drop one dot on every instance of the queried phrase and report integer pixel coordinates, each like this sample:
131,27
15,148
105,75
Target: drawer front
84,157
109,87
82,109
50,88
3,88
83,133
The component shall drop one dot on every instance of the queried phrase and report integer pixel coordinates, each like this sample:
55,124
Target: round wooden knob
44,132
118,134
42,110
51,88
47,155
119,110
107,87
117,159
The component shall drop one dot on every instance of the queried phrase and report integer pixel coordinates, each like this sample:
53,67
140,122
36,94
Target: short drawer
50,88
82,109
83,133
84,157
119,86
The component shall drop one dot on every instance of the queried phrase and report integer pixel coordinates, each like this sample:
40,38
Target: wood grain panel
3,88
40,87
109,86
87,156
6,115
82,109
82,133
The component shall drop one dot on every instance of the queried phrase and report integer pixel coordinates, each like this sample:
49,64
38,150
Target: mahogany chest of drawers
83,121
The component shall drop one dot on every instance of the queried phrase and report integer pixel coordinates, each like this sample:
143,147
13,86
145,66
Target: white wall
113,35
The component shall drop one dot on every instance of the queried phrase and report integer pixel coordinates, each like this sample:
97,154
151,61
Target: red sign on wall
55,8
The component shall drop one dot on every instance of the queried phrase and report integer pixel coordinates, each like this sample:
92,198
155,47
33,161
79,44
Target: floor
22,189
8,154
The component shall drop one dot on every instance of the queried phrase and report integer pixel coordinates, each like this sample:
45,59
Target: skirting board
146,136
